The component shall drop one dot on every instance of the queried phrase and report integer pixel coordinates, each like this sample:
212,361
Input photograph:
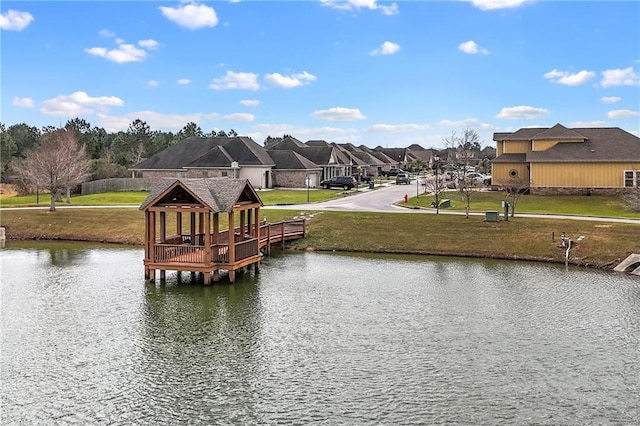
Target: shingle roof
601,145
289,160
511,158
559,132
218,194
207,152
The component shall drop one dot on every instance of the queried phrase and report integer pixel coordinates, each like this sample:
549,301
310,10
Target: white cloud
351,5
622,113
397,128
14,20
339,114
497,4
23,102
591,124
289,81
149,44
619,77
386,48
472,48
238,116
568,79
236,80
610,99
77,104
155,120
184,81
522,112
106,33
250,102
466,123
191,16
153,83
123,53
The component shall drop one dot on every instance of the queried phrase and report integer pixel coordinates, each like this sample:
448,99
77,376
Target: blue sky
360,71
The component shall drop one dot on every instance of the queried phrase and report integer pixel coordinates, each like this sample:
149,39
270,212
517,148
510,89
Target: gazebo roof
216,194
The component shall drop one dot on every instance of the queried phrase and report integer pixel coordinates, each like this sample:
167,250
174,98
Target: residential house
562,160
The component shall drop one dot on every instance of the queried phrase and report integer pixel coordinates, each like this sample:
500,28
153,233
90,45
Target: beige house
570,161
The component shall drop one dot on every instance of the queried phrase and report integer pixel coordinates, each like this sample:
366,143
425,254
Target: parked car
344,182
393,172
403,178
362,178
476,178
487,180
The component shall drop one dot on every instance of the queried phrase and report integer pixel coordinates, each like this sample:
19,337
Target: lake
315,338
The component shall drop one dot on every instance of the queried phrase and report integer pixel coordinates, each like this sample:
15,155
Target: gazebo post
207,246
193,228
232,247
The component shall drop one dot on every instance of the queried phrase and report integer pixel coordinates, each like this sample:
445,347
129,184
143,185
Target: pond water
315,338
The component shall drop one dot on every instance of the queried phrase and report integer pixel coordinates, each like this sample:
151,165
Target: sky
366,72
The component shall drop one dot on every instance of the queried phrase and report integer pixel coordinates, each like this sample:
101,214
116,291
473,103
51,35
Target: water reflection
316,338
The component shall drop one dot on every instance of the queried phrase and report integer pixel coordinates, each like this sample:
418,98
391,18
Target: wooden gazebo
192,208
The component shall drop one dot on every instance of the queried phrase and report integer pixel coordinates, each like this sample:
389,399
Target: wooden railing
180,248
181,253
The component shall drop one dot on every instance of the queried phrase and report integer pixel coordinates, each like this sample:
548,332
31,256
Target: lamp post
308,182
436,187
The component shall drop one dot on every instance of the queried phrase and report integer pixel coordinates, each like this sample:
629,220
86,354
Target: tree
221,134
435,184
190,130
58,163
467,189
516,187
8,148
24,136
271,141
233,133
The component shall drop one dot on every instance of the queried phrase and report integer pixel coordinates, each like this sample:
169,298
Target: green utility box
492,217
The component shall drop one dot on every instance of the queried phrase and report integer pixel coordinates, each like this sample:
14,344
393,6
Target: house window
513,173
224,173
631,178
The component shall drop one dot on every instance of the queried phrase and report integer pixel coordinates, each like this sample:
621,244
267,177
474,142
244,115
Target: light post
308,182
436,187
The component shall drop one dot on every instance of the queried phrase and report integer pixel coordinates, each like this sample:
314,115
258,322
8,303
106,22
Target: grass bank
604,245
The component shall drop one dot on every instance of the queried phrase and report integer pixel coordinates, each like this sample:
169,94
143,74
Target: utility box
492,217
445,203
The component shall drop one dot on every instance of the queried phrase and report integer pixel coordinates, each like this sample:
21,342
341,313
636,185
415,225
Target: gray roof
511,158
218,194
290,160
207,152
609,144
288,143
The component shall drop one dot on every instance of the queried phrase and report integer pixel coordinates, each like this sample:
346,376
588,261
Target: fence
115,185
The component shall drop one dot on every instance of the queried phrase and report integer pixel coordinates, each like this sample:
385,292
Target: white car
476,178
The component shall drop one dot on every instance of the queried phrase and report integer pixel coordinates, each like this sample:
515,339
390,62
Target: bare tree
516,187
435,185
57,164
467,189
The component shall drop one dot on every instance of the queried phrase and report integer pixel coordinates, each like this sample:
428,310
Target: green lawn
595,205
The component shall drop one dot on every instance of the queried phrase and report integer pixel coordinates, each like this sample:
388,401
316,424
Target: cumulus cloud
77,104
149,44
497,4
14,20
289,81
397,128
238,116
619,77
124,52
622,113
339,114
156,120
23,102
191,16
569,79
610,99
236,80
466,123
153,83
354,5
472,48
184,81
522,112
386,48
250,102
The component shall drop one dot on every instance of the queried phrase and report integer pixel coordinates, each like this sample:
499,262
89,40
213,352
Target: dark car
344,182
394,172
403,178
